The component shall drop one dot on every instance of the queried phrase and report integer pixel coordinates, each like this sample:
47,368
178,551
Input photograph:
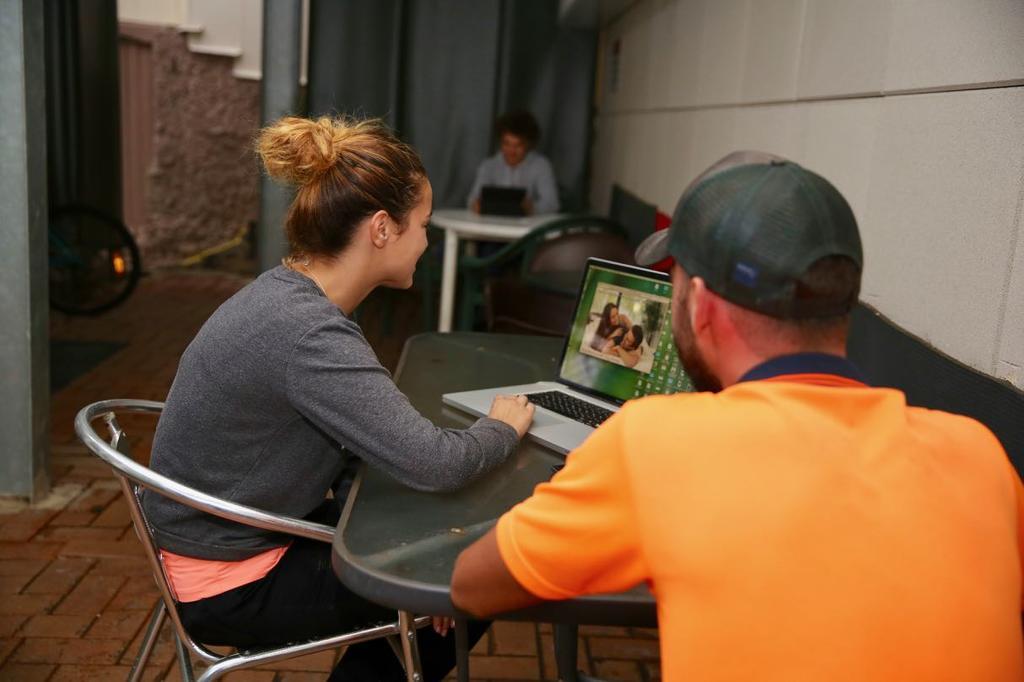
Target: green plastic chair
550,258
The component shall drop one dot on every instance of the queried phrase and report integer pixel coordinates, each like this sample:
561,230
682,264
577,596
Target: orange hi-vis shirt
799,527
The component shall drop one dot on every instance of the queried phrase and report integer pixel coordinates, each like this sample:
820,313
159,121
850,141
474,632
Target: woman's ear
379,226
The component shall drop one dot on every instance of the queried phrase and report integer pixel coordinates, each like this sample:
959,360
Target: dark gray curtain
441,71
83,112
354,58
549,69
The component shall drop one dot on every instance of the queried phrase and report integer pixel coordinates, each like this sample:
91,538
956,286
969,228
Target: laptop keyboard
571,407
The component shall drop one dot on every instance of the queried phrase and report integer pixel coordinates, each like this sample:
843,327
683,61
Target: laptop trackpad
543,418
563,435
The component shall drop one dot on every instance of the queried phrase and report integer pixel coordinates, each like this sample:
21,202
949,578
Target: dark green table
397,546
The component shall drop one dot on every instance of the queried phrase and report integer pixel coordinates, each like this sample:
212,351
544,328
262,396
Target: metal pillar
282,43
24,342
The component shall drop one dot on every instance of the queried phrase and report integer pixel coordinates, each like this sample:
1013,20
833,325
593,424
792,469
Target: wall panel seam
1008,276
800,45
801,100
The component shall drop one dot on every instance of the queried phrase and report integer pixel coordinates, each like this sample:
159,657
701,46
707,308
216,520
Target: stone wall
203,178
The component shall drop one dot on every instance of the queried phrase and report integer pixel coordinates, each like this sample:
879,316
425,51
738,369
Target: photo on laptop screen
621,343
624,326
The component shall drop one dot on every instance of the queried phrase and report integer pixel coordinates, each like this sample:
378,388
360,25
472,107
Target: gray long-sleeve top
534,173
272,399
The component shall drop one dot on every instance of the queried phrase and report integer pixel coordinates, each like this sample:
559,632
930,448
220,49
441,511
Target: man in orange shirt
793,522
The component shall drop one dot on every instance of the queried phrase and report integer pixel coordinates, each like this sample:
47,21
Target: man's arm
483,173
613,340
629,357
546,188
1019,492
482,585
585,512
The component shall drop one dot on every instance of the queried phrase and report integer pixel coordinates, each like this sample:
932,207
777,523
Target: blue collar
805,363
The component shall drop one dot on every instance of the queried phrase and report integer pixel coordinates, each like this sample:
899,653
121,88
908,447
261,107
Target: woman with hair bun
279,395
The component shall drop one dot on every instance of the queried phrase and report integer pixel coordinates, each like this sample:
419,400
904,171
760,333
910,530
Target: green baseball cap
751,225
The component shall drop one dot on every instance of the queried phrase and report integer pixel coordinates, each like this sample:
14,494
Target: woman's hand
442,624
514,410
614,339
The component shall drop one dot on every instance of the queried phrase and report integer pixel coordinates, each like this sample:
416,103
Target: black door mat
71,359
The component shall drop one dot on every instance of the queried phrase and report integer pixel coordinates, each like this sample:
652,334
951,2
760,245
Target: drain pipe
282,53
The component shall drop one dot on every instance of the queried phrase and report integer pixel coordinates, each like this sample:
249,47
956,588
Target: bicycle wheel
94,262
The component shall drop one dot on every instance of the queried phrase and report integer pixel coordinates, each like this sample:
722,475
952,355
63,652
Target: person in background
795,523
279,396
518,164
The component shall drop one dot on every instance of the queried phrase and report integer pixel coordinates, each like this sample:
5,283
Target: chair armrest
538,234
504,254
178,492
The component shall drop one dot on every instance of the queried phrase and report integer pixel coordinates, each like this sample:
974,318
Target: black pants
301,599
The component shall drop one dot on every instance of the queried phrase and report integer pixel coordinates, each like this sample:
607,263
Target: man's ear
378,224
680,284
700,305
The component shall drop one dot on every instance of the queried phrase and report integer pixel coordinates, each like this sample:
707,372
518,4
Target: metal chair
134,476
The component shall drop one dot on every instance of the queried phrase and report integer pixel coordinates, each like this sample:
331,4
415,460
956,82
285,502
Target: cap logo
746,275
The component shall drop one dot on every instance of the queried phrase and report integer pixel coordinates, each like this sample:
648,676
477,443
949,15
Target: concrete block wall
226,28
913,108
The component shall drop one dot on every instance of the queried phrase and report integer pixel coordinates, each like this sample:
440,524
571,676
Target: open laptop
603,364
502,200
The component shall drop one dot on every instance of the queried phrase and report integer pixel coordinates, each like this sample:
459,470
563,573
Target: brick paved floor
75,591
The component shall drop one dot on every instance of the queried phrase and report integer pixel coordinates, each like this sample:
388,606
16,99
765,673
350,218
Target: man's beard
693,362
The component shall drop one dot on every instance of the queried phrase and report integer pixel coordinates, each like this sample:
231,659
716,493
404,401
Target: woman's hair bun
298,150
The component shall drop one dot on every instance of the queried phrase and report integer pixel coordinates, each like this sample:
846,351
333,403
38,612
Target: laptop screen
502,200
620,345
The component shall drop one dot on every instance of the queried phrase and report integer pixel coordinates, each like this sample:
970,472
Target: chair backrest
890,356
134,476
635,214
541,297
178,492
571,251
564,244
513,306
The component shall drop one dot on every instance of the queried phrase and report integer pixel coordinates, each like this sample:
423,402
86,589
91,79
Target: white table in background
461,223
